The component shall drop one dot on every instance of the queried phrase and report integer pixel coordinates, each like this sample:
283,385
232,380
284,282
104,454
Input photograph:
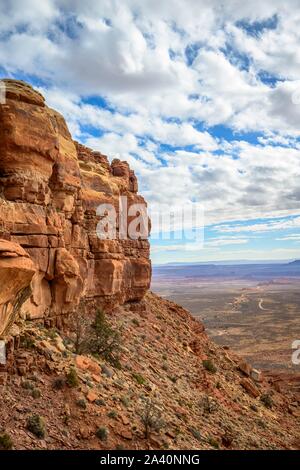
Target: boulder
245,368
88,364
250,388
91,396
256,375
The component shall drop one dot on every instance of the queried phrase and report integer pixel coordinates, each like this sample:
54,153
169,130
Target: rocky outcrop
16,272
50,189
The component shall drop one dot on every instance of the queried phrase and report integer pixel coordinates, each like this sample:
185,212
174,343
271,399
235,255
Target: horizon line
232,262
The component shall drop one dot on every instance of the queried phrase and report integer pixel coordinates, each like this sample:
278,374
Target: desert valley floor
259,320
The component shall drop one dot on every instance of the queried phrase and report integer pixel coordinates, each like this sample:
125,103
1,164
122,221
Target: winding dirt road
260,304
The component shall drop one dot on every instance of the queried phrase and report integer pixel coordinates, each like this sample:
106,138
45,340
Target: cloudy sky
202,98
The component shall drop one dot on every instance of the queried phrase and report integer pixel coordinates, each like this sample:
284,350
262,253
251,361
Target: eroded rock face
50,188
16,273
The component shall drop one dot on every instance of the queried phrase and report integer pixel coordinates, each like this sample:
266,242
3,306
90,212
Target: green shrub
36,393
173,379
97,338
6,442
28,385
36,425
27,342
102,433
81,328
81,403
105,341
100,402
59,383
125,401
72,378
139,378
266,399
261,423
151,417
120,447
196,434
208,404
112,414
209,366
212,441
52,333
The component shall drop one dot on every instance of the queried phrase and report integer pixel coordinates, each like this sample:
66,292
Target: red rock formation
16,272
50,188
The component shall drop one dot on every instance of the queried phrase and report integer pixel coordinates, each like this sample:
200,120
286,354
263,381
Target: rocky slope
56,272
204,405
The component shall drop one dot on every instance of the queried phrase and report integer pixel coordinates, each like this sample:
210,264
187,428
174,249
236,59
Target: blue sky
201,98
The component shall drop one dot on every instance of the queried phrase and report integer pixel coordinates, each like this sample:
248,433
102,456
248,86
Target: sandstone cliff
50,188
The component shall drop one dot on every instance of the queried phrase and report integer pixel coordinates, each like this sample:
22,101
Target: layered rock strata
50,189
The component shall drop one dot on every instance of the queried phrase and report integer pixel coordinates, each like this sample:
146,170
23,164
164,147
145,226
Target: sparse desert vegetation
202,401
231,310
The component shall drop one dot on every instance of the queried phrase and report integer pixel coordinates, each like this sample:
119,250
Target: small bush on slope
72,378
151,417
6,442
105,340
209,366
36,425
